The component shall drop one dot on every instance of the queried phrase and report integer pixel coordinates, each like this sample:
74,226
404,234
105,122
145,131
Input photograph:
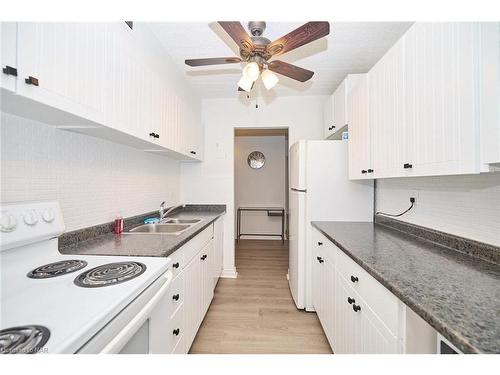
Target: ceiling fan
257,50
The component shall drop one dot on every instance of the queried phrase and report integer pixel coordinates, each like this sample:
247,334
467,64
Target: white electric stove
54,303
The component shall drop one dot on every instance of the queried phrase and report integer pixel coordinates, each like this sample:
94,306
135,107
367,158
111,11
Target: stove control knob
8,222
48,215
30,217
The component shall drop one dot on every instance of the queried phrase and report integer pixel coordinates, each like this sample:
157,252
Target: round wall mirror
256,160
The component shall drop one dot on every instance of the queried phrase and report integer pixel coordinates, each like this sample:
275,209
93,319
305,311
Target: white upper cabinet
430,106
8,40
339,105
62,65
328,126
386,113
441,96
100,79
489,57
360,164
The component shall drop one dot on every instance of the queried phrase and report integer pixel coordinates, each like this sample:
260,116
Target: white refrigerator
320,189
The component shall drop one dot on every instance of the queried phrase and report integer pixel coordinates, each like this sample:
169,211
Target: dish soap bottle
118,224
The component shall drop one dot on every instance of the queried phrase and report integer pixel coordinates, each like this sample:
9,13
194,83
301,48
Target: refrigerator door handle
299,190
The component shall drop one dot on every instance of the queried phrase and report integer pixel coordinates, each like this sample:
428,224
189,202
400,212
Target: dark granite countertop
154,245
455,293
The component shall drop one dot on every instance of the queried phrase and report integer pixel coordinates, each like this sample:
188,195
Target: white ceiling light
269,78
251,71
245,84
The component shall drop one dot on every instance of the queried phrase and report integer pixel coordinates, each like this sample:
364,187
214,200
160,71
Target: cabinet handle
152,135
354,279
175,297
370,170
407,166
364,171
31,81
157,136
176,331
192,152
356,308
204,256
175,265
320,259
320,243
350,300
9,70
331,127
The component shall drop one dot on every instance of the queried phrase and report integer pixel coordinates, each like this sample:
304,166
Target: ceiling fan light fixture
269,78
245,84
251,71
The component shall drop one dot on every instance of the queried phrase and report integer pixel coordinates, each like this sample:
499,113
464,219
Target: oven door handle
119,341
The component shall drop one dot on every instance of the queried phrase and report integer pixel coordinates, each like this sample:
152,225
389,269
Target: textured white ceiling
352,47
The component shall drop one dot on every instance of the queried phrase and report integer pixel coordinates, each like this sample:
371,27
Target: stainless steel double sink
172,226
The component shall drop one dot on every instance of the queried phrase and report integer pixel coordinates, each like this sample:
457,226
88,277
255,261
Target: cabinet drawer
176,294
382,302
178,262
324,247
197,243
177,329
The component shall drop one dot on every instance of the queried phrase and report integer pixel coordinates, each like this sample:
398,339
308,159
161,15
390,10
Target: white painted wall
213,180
93,179
467,206
264,187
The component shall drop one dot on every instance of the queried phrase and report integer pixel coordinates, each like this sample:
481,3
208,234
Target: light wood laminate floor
255,313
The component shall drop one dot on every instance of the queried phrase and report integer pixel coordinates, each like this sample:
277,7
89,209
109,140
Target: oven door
138,329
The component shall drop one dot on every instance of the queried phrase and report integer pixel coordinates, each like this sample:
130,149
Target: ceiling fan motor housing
256,27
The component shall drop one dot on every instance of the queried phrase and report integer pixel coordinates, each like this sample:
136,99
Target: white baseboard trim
229,273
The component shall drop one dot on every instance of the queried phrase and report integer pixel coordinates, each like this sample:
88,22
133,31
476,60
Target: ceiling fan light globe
245,83
269,78
251,71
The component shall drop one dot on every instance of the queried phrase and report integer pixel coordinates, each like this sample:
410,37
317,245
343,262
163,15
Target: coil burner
57,269
110,274
23,340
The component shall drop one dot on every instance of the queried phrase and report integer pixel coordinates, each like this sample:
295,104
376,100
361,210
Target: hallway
255,314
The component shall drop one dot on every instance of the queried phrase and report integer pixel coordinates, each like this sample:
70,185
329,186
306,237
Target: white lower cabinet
358,315
194,267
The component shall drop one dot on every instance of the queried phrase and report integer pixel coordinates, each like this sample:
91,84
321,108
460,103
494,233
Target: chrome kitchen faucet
164,214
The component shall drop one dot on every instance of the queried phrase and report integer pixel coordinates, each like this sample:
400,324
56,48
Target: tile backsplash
93,179
466,206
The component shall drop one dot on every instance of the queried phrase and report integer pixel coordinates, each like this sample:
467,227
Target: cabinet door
317,270
387,113
192,299
441,67
339,106
490,92
129,85
359,131
206,284
66,62
8,48
328,281
328,117
373,336
218,249
345,329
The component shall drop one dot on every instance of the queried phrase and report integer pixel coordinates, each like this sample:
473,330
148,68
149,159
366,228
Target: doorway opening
261,184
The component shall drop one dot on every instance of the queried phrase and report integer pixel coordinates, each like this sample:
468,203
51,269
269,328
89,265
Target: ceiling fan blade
238,34
213,61
289,70
306,33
